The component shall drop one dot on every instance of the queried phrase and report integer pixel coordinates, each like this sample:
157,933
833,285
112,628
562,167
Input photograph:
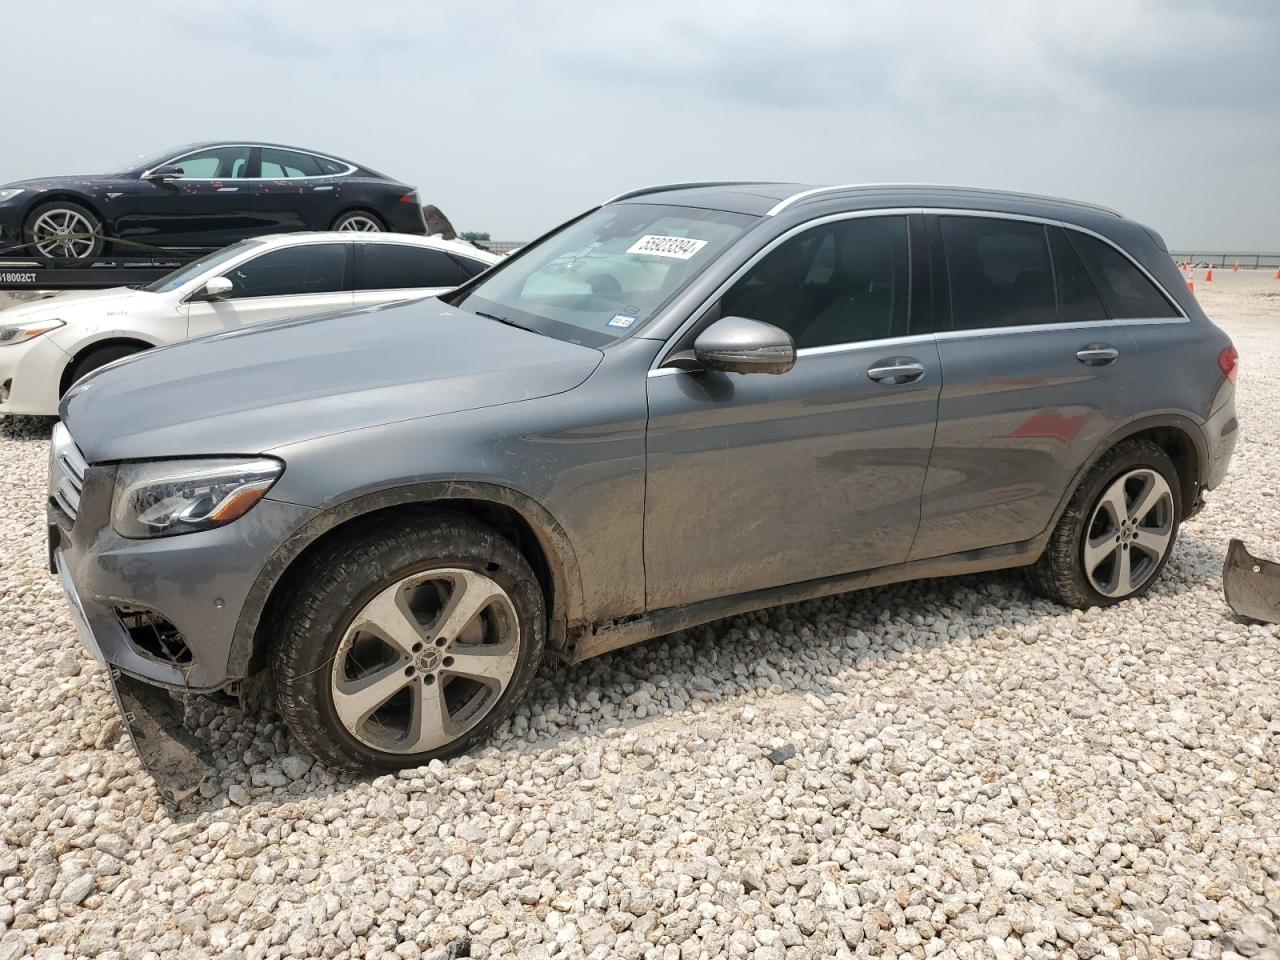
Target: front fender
563,563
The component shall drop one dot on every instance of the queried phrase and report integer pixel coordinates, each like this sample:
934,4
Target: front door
757,480
293,281
1035,376
209,207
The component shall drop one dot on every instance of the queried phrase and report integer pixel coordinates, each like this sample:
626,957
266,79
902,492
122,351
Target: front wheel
63,230
359,221
1117,532
409,642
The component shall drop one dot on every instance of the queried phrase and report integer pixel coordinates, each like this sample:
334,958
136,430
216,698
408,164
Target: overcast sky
513,116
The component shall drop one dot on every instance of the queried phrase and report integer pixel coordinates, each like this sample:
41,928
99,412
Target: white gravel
976,773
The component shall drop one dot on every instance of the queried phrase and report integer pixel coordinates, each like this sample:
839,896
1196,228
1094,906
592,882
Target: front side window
393,266
210,261
1127,293
278,164
605,275
999,272
213,163
842,282
308,268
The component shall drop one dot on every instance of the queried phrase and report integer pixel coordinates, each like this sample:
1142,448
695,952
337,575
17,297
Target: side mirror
739,345
163,174
219,288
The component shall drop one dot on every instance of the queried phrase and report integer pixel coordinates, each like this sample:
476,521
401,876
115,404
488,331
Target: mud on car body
686,403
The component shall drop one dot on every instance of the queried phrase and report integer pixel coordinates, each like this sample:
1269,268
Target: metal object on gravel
168,751
1252,585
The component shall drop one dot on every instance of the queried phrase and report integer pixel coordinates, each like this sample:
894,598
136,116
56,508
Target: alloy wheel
359,223
425,660
1129,533
62,232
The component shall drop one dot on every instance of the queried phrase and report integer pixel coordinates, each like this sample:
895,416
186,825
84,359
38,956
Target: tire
360,221
335,635
46,219
1096,577
99,357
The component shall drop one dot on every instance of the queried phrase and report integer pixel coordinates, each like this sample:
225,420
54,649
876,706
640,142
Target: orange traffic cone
1236,268
1191,284
1208,276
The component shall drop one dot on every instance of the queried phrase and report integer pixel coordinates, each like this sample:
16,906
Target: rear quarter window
1125,289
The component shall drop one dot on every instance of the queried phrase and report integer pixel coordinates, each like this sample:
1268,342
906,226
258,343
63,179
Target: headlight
8,193
165,498
22,332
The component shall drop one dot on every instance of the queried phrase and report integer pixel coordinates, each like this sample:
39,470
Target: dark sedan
201,197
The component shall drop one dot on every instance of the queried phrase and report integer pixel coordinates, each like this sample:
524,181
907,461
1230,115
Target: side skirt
592,640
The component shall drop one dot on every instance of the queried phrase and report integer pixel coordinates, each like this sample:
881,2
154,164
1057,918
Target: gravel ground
950,768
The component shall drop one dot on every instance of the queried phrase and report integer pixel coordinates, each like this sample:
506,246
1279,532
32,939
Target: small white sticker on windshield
621,320
676,248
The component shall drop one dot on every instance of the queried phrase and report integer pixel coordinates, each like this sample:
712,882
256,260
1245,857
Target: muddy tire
408,641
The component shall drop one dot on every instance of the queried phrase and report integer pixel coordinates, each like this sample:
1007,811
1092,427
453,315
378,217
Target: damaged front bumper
1251,584
160,614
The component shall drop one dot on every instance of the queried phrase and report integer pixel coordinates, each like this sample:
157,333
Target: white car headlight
11,333
168,497
8,193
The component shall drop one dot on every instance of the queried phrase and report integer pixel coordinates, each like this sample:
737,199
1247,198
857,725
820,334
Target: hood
69,180
253,390
46,306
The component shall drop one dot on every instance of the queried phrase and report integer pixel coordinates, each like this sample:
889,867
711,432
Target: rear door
293,281
296,191
388,270
756,480
1035,375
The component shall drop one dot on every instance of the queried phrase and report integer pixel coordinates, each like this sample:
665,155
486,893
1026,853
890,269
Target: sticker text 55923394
676,248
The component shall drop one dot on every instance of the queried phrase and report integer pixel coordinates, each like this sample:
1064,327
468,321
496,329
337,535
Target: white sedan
47,345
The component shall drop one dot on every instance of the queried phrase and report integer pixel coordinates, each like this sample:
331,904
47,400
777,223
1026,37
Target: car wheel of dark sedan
359,221
63,230
409,641
1117,532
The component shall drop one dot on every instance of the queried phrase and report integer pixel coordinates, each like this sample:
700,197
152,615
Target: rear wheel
408,642
1117,532
359,221
100,357
63,230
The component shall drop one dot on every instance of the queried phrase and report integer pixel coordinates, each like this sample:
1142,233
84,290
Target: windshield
604,276
145,161
172,281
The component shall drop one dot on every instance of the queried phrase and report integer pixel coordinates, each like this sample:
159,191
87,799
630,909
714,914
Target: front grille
66,472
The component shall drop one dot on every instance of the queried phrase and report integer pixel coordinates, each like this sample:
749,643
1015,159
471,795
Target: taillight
1229,363
409,198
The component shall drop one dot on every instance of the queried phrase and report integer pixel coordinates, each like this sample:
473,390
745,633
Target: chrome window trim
833,348
836,188
944,334
351,167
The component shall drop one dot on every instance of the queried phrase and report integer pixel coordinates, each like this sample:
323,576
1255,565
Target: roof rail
659,188
815,191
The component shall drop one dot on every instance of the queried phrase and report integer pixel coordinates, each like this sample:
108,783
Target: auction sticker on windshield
676,248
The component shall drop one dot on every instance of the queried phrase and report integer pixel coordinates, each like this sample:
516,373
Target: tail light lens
1229,363
409,198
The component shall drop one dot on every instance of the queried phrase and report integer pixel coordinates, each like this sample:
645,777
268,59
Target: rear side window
999,271
278,164
472,267
309,268
394,266
1125,290
1078,299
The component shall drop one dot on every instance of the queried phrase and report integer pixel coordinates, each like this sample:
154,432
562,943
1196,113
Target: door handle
896,370
1097,354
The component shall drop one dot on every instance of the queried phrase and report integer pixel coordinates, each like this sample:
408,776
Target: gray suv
689,402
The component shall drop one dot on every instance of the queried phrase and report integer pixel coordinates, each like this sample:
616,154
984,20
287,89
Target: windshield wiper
509,323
